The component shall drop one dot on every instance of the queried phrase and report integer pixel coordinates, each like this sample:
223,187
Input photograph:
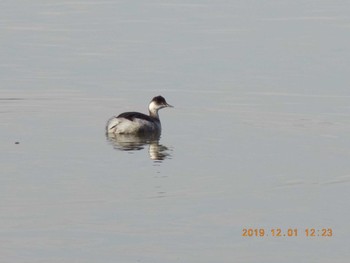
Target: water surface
258,137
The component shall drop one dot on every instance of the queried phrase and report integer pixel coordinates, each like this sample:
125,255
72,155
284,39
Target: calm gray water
258,138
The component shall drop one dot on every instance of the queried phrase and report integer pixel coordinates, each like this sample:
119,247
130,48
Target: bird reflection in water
136,142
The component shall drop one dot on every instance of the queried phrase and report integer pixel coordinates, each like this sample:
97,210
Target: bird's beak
170,106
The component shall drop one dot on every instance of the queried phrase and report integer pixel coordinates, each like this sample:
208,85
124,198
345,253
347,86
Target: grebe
136,122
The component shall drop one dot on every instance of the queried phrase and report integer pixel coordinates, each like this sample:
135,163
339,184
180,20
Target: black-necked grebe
136,122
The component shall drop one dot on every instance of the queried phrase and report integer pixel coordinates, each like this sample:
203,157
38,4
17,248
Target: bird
138,123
